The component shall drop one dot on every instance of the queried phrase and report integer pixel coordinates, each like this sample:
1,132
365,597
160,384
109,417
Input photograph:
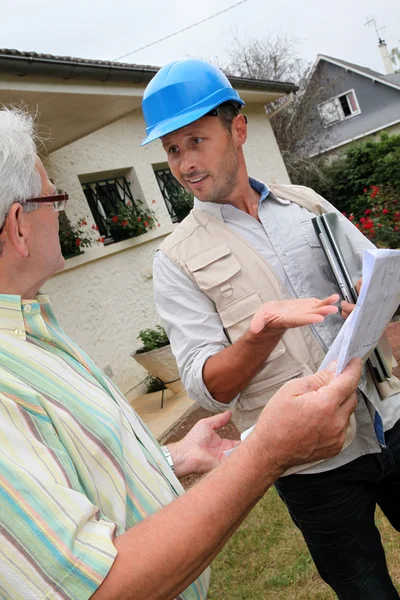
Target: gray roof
68,67
393,78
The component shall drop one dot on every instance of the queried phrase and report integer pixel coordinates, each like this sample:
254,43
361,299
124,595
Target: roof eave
71,69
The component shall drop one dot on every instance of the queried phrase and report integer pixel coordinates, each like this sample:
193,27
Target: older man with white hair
90,506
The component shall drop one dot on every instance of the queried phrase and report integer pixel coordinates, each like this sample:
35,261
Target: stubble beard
226,178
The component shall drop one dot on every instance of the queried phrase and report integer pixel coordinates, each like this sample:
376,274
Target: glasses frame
60,196
58,200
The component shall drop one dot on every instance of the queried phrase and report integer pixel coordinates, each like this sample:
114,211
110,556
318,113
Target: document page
376,305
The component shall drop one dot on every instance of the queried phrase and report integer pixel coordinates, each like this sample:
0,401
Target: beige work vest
238,281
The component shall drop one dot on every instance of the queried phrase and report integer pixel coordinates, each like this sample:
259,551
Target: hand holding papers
377,303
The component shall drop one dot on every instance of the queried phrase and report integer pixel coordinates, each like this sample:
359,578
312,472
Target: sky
107,29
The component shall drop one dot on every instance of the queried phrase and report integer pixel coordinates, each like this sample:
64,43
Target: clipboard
341,259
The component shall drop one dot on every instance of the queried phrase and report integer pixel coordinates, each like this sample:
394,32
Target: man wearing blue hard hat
246,296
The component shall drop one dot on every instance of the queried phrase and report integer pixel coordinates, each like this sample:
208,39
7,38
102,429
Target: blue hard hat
182,92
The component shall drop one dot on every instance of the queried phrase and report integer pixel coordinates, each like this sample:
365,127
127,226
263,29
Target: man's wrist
168,457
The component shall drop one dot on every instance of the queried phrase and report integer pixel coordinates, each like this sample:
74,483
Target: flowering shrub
73,238
377,215
131,220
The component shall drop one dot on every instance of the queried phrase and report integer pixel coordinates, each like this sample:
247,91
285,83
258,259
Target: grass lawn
268,559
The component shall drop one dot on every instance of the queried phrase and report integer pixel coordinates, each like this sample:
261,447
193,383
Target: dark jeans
335,513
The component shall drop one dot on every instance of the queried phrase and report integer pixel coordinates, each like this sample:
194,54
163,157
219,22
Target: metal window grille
104,198
170,188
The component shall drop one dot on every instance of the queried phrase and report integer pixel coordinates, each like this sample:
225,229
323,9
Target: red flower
129,203
124,223
385,211
114,219
397,214
362,220
83,222
158,225
351,218
374,193
78,242
100,240
95,227
368,211
396,228
153,201
365,190
139,219
344,214
369,225
379,225
146,223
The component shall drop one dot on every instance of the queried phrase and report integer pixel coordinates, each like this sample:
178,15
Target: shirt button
18,332
27,308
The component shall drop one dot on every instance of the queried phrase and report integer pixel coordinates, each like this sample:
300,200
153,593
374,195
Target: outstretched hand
202,449
278,315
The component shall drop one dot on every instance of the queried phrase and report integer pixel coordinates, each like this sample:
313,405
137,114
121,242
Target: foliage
182,203
361,166
73,238
377,214
153,384
131,220
152,339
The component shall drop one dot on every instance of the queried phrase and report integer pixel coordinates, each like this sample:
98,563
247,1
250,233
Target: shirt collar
214,208
13,311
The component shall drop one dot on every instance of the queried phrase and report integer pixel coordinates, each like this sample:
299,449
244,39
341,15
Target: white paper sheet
376,305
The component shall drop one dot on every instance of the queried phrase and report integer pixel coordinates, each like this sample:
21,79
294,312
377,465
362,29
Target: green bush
152,339
365,164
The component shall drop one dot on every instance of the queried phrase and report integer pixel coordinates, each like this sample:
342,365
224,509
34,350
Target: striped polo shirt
77,465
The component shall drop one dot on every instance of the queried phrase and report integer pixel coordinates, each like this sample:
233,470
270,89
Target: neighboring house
92,112
353,102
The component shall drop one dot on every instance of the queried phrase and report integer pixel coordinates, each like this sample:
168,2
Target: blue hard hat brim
173,124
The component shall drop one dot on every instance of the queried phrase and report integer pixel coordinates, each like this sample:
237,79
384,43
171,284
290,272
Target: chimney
387,61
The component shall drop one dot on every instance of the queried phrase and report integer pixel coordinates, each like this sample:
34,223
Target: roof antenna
387,61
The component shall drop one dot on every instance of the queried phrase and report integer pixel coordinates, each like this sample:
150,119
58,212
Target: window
104,198
340,108
178,201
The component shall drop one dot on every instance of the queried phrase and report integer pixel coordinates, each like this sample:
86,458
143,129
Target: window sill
91,255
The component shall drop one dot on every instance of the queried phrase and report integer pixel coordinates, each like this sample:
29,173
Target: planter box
161,363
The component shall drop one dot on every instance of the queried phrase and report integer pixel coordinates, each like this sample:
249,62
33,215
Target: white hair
19,179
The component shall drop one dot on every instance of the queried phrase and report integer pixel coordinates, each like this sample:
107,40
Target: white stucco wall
104,303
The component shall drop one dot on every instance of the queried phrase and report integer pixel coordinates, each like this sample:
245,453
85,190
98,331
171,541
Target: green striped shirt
77,465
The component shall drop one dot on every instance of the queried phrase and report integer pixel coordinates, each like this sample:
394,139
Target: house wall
105,297
379,106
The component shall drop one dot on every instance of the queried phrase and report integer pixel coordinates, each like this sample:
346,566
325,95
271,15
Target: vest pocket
258,394
213,267
236,319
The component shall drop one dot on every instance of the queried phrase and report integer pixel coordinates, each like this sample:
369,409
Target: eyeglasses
58,200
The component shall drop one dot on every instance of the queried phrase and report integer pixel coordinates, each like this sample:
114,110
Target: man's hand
202,449
308,418
347,307
278,315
